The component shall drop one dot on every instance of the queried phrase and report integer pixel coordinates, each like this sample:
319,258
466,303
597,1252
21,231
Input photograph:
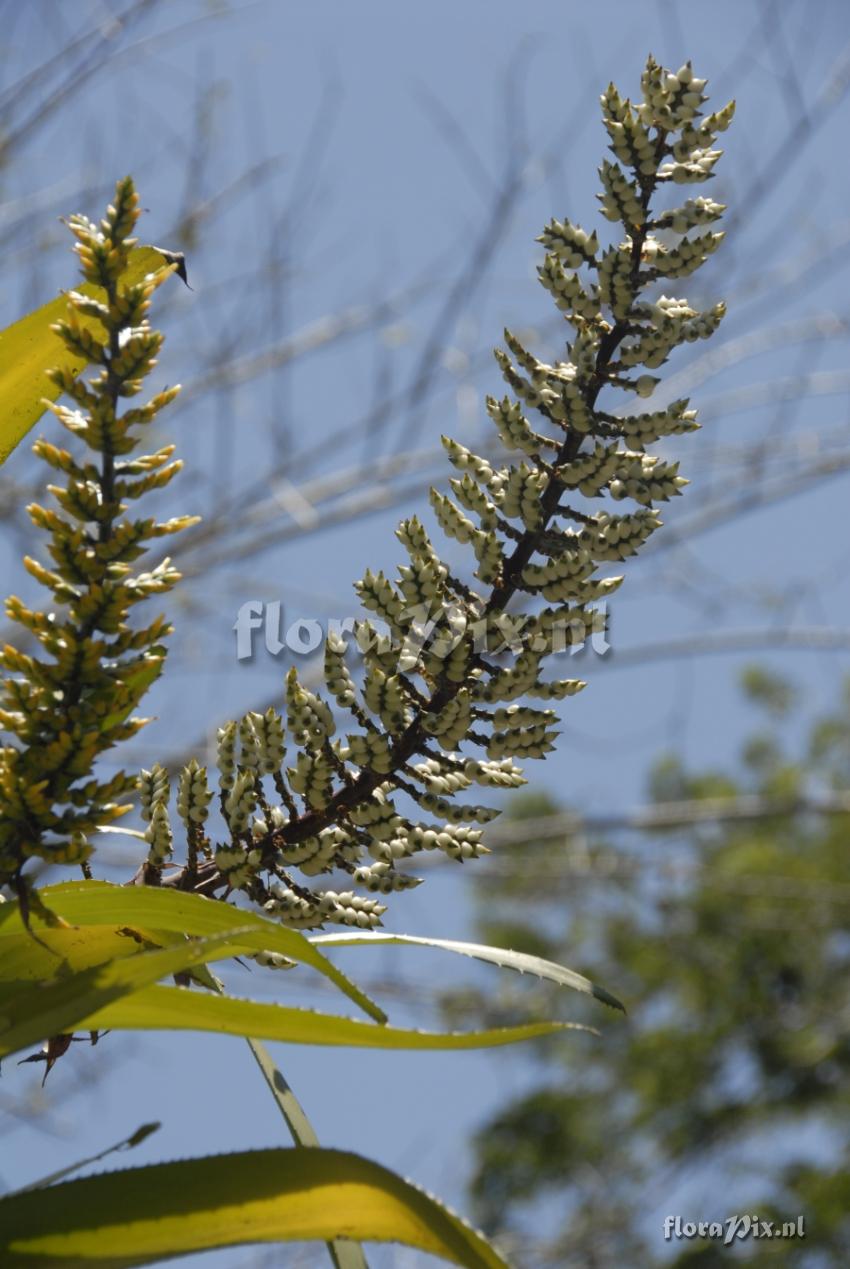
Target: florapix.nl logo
262,623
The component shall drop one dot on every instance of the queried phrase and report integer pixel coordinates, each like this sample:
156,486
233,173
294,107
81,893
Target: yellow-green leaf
180,1009
71,949
141,1215
29,347
152,909
522,962
32,1012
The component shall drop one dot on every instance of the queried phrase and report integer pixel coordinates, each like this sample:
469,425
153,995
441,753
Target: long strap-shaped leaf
344,1254
522,962
31,1012
149,909
180,1009
29,347
141,1215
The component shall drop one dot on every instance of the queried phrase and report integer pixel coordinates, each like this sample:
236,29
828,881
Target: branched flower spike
65,706
437,712
452,696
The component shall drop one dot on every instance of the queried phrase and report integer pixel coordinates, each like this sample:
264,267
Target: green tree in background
725,1091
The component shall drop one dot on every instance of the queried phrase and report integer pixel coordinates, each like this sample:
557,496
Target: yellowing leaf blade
153,908
179,1009
32,1012
140,1215
28,348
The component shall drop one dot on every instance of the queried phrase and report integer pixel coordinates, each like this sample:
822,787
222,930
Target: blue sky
393,124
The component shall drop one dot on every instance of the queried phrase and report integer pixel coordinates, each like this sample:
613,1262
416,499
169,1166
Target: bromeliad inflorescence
74,700
444,704
452,698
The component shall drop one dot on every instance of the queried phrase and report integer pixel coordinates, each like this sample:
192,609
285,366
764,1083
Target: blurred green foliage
725,1090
